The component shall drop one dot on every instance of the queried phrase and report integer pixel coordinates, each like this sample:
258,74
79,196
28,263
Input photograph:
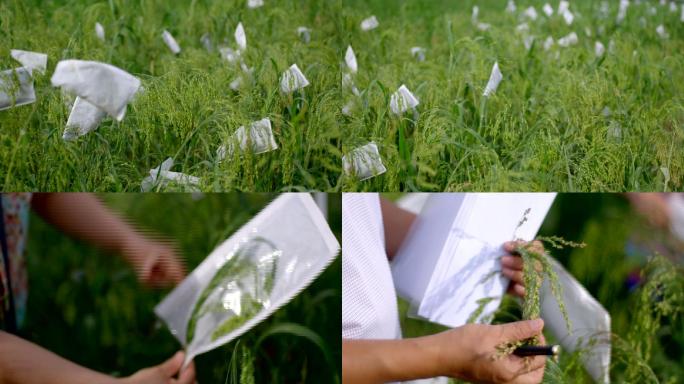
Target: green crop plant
537,269
239,272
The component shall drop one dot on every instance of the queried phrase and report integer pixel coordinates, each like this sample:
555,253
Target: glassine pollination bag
84,117
105,86
16,88
249,276
258,138
162,176
363,162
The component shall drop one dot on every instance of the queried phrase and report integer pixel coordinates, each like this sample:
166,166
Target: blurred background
88,306
622,233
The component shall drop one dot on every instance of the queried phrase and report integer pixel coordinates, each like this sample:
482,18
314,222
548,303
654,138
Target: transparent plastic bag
249,276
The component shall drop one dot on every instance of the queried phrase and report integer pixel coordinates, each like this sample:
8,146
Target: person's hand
512,265
167,372
470,353
156,263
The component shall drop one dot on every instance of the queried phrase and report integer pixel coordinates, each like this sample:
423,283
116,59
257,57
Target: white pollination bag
16,88
293,79
494,81
255,3
258,138
257,270
84,117
402,100
162,176
369,23
590,329
363,162
350,60
32,61
103,85
171,42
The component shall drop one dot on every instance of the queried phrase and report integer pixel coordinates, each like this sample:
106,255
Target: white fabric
369,302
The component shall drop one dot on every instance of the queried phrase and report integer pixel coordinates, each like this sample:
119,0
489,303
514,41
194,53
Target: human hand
156,263
470,353
164,373
512,264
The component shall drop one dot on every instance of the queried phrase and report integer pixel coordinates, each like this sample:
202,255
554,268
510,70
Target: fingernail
538,323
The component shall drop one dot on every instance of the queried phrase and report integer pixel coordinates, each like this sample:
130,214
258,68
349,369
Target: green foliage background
544,129
88,307
187,110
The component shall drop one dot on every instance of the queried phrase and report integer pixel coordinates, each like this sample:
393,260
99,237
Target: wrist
451,352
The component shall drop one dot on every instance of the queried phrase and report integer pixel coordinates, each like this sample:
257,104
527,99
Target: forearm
397,223
26,363
84,217
380,361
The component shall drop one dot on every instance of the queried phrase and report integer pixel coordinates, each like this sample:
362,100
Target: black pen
538,350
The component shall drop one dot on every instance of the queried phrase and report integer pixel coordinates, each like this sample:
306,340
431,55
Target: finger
533,364
537,246
515,275
171,366
512,262
534,377
187,376
511,246
521,330
174,268
516,289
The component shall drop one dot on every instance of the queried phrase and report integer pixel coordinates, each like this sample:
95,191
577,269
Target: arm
397,223
84,217
468,353
26,363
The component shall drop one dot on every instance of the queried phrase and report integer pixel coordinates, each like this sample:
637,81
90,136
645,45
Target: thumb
171,366
522,329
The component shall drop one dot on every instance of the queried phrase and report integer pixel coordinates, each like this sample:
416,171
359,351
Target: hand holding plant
164,373
512,265
469,353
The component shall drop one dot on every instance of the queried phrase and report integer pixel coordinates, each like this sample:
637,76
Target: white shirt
369,301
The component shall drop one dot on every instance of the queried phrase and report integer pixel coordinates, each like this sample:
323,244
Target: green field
87,306
188,109
544,129
619,245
